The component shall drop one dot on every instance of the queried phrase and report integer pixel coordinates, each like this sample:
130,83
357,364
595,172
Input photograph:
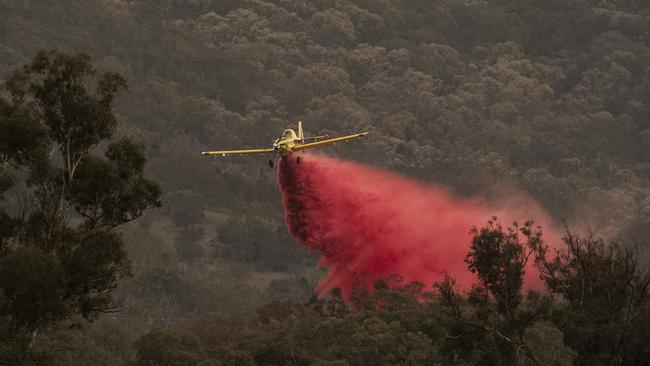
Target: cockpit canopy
287,134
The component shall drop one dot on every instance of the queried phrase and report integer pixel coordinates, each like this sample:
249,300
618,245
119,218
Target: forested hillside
547,97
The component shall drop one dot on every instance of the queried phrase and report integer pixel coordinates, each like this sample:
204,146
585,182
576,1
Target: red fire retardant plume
368,224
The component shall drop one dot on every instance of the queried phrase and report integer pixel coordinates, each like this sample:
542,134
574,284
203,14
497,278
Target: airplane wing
313,138
238,152
328,141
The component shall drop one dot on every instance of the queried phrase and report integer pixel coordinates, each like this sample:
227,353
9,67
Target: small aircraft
288,143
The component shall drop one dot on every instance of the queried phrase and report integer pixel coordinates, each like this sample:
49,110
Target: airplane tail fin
300,134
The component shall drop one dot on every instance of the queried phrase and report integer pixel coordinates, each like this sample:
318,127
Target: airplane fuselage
285,144
285,148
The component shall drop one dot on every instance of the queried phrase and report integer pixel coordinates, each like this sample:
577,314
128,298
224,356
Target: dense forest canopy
548,97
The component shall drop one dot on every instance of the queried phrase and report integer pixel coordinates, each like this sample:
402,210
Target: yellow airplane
290,142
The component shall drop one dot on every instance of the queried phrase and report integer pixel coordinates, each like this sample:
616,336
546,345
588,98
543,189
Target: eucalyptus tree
61,254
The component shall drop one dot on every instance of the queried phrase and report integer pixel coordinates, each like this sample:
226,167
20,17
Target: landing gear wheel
298,159
271,163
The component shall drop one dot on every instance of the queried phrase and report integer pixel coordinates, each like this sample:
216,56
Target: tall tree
605,312
60,255
490,325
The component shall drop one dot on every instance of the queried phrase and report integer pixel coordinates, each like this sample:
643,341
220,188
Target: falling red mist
368,224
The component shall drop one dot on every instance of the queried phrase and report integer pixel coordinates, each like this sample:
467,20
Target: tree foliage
496,322
551,95
60,256
604,314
